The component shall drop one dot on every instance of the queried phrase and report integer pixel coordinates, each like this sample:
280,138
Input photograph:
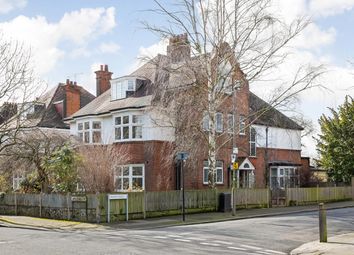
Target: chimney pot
106,68
101,67
67,81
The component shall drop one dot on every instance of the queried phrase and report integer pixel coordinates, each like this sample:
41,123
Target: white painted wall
278,138
150,129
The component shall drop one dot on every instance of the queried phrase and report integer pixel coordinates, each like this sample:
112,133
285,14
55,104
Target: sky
69,39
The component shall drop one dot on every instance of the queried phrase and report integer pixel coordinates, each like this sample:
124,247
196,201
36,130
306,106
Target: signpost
182,156
117,197
234,168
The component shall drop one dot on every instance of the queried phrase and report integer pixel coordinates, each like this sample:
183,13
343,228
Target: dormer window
121,87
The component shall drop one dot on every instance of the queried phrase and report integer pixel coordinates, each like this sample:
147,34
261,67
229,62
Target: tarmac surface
339,244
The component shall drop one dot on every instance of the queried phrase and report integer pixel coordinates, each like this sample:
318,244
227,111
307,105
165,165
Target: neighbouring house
126,114
46,113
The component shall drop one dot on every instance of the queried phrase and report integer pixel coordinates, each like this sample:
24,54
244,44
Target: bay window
89,131
128,127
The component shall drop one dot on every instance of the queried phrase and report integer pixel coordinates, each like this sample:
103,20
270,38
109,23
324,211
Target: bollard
322,223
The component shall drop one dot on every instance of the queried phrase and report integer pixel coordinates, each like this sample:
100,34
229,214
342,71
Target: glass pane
126,119
205,122
205,163
96,125
137,183
253,135
119,171
96,136
119,184
219,175
81,136
230,122
253,149
137,118
80,126
87,125
125,132
126,170
118,120
242,124
219,124
118,133
218,163
281,179
125,183
274,172
87,137
286,172
206,171
281,172
131,85
137,170
137,132
274,182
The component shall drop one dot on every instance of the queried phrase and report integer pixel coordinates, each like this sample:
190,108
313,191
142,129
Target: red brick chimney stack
179,48
103,78
72,98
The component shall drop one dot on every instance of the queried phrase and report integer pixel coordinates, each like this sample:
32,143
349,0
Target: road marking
174,236
196,238
211,244
236,248
160,237
6,242
182,240
250,247
276,252
264,252
223,242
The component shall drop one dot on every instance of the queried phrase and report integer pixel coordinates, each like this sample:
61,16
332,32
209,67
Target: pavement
342,244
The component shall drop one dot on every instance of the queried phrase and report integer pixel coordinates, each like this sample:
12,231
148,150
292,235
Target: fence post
98,208
15,198
317,193
40,204
335,192
144,204
322,223
68,205
268,197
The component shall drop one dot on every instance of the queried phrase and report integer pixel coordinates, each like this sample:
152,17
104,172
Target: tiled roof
265,114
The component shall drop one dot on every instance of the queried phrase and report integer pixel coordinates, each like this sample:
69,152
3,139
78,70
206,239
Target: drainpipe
267,174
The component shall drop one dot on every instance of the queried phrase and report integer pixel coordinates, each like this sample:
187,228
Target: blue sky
70,39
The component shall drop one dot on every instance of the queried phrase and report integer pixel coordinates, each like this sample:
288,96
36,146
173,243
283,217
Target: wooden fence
93,207
317,194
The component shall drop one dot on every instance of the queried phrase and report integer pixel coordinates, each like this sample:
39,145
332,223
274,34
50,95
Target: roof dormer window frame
121,86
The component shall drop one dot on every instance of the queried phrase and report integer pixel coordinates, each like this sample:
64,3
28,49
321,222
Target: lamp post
234,165
182,157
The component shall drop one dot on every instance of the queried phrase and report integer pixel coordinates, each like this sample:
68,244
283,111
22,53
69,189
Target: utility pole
182,157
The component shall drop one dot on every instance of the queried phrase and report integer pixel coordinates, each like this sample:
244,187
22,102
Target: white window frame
253,143
121,86
242,125
218,168
219,126
205,122
90,130
283,176
130,176
131,125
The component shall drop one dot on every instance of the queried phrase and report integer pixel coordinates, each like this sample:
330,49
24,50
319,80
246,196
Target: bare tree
18,87
96,170
231,43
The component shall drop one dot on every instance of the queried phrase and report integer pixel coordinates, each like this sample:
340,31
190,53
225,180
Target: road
261,236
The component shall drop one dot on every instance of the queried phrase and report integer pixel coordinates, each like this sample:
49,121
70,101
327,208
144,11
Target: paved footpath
341,245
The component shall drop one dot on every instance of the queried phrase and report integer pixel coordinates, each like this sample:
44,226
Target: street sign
235,150
118,196
233,158
182,155
235,165
78,199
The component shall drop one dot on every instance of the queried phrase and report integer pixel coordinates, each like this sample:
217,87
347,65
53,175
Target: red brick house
124,114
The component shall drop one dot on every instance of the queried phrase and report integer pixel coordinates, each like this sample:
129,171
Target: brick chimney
179,48
103,80
72,98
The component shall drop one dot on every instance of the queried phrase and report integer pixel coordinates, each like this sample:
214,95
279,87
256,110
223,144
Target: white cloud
330,7
44,38
109,47
9,5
